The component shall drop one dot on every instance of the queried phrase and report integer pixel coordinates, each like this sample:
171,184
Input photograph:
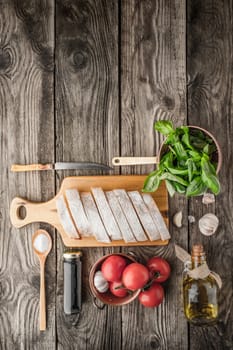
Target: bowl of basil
189,161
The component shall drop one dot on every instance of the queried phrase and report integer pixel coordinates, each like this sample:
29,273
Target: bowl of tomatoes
118,279
105,280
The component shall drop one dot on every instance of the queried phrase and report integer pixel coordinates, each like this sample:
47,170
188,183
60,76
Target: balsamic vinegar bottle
72,282
200,295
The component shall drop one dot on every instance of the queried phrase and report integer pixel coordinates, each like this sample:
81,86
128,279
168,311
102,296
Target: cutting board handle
23,212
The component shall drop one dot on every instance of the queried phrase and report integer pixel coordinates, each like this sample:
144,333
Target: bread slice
106,214
97,227
65,218
78,213
120,217
156,216
144,215
130,215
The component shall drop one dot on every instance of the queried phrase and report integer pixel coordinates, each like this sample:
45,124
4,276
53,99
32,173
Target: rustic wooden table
86,80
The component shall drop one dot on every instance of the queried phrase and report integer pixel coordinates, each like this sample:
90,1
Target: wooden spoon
42,244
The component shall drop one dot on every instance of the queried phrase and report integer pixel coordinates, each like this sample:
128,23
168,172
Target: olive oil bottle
200,295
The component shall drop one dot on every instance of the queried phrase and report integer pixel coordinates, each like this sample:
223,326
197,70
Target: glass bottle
200,295
72,281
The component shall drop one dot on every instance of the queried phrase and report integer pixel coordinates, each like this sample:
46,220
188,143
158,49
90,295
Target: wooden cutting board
47,212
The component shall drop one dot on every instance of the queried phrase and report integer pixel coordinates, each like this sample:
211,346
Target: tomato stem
151,281
123,287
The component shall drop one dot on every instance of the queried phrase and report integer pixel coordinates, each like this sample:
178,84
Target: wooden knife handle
117,161
31,167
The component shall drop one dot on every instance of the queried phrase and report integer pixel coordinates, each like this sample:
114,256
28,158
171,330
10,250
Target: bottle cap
72,255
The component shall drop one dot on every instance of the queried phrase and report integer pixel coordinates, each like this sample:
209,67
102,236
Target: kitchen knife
60,166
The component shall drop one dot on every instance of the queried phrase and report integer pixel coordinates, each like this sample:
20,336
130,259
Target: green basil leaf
196,187
190,163
177,171
179,188
171,177
181,163
206,148
196,156
209,149
164,126
198,134
211,182
152,181
208,175
167,159
197,143
180,151
171,139
171,189
185,139
206,166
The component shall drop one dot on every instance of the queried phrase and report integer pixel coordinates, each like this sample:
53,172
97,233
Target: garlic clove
208,224
191,219
208,198
177,219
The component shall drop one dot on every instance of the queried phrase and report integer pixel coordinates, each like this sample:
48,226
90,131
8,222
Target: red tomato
161,266
119,292
153,296
135,276
113,267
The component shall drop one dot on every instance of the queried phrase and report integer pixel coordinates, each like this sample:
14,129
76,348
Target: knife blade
60,166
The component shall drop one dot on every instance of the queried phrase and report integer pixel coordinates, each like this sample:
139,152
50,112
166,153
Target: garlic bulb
177,219
208,224
100,282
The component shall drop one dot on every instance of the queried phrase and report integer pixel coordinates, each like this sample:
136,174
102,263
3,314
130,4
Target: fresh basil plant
187,166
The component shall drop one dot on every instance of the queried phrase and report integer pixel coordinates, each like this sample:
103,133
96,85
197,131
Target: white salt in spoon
42,244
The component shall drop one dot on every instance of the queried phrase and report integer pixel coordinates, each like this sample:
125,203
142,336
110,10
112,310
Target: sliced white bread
130,215
144,215
97,227
65,218
106,214
156,216
120,217
78,213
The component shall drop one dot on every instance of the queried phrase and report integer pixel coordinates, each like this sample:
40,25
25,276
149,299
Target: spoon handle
117,161
42,298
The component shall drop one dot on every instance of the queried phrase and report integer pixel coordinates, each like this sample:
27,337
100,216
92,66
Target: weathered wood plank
87,128
209,68
153,87
26,124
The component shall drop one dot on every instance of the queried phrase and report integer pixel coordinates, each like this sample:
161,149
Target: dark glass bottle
72,282
200,295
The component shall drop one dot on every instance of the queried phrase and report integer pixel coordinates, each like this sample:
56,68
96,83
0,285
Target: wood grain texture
87,128
153,86
120,66
26,120
209,68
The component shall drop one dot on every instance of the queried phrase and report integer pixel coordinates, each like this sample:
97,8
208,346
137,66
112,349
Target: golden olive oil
200,295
